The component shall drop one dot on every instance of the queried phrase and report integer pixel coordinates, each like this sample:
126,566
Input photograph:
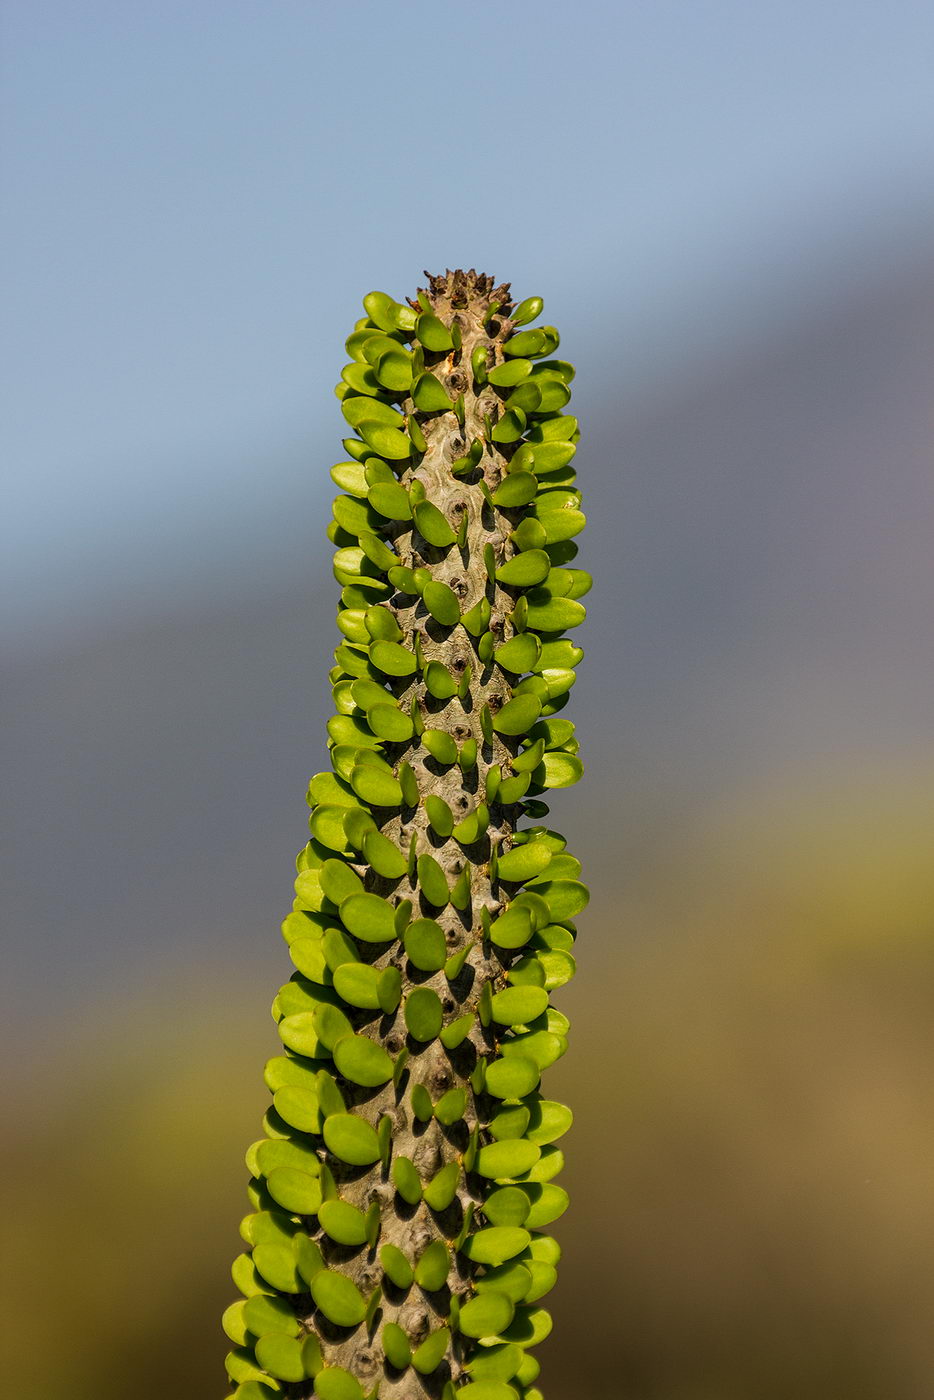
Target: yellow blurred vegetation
751,1169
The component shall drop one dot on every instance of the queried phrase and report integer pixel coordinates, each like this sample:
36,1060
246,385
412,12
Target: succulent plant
400,1196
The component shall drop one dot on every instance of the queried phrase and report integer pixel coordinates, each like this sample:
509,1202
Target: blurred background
729,210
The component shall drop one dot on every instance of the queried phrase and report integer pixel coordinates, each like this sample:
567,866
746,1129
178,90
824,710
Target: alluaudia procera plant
397,1244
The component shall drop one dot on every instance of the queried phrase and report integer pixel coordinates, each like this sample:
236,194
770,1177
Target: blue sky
197,195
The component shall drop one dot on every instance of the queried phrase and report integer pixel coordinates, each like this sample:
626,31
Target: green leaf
507,1206
390,500
432,881
384,855
241,1365
429,394
396,1266
343,1222
366,694
351,1139
441,601
554,393
349,731
377,552
486,1315
440,745
511,372
529,759
433,1267
407,1180
327,826
374,786
517,1006
527,310
477,619
361,407
283,1152
460,890
547,614
362,1061
309,1257
379,308
529,1327
439,815
513,929
441,1190
457,1031
329,1021
404,579
349,477
423,1013
511,1078
275,1262
528,343
393,370
358,378
517,715
561,653
496,1244
543,1048
308,956
467,755
334,1383
298,1107
338,880
543,1279
564,898
433,333
519,654
553,456
509,427
558,428
392,658
339,948
510,1121
525,861
409,782
429,1355
390,723
257,1390
561,524
388,442
354,515
311,1353
490,1390
432,525
426,945
390,991
558,966
416,434
508,1158
495,1363
527,396
558,770
548,1203
516,489
369,917
233,1323
526,569
263,1314
396,1347
299,1033
339,1299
